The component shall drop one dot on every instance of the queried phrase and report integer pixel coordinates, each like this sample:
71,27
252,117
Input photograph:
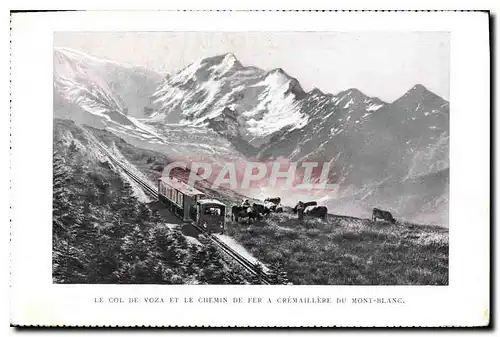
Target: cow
299,209
245,203
275,201
305,204
270,205
262,209
383,215
316,211
244,212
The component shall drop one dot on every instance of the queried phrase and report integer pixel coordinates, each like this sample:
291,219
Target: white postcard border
36,301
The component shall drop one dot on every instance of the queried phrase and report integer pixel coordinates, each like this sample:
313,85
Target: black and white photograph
238,158
188,168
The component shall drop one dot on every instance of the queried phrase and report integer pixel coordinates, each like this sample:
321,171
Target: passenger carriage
190,204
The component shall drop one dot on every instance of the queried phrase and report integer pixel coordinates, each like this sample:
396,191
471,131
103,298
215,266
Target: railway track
231,253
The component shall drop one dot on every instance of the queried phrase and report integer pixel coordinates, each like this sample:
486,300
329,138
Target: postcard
250,169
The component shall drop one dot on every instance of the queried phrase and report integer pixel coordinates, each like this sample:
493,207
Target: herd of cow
256,211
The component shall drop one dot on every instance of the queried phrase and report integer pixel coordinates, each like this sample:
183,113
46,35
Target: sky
380,64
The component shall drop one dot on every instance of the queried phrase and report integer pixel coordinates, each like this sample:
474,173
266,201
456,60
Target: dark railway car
190,205
211,215
179,197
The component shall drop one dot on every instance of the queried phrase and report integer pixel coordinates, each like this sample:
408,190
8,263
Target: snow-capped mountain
331,117
220,110
253,108
86,90
126,87
103,94
237,101
268,115
368,139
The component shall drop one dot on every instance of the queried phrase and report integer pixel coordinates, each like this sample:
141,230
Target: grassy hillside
342,251
348,251
103,234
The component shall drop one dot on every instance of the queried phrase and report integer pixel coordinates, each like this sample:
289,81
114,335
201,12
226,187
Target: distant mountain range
219,109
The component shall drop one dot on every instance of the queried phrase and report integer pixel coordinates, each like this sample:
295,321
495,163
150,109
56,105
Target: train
192,205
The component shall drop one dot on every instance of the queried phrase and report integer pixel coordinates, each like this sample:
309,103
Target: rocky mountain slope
236,101
115,97
368,141
127,88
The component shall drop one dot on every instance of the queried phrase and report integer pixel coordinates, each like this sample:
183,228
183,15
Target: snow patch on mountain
228,62
349,103
283,109
374,107
123,87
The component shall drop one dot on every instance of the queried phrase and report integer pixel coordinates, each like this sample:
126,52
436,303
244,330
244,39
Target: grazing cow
279,209
310,203
299,209
275,201
234,212
262,209
316,211
305,204
245,203
244,212
270,205
383,215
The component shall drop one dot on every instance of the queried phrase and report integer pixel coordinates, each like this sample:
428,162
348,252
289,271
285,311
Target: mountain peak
70,52
278,77
230,58
418,95
279,73
222,62
418,88
316,91
64,54
419,91
353,93
230,55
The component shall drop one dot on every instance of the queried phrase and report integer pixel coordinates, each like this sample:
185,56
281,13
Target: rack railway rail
230,252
